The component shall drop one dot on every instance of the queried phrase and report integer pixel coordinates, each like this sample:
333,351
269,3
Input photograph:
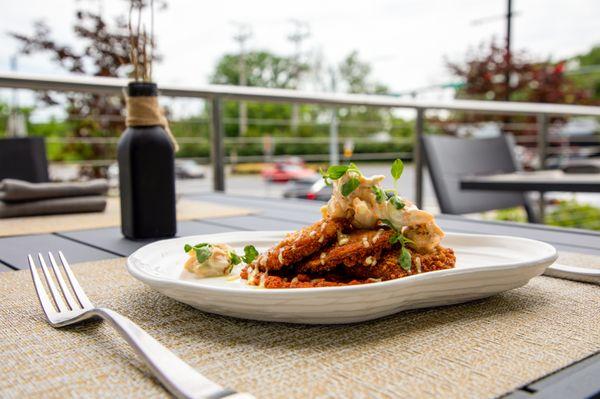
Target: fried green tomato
387,266
300,244
348,250
293,280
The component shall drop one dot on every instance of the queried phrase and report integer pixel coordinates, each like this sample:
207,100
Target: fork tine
60,304
40,290
71,302
79,293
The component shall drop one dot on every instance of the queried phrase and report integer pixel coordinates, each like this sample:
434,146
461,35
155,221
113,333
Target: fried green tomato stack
331,253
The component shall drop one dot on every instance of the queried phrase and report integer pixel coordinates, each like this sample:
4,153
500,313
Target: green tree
585,72
354,76
102,50
263,69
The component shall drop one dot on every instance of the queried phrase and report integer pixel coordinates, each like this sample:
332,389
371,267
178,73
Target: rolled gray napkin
12,190
582,166
90,203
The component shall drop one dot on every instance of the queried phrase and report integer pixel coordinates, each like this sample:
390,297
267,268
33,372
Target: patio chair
24,158
450,158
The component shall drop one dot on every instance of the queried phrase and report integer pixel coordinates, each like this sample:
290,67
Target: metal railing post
542,151
418,156
334,148
217,153
542,139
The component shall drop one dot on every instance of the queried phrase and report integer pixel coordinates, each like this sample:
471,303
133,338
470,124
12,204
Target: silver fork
175,375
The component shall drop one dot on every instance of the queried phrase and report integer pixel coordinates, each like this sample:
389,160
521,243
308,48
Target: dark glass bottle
146,177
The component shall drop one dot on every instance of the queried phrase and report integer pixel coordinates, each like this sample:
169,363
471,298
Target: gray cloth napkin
582,166
90,203
12,190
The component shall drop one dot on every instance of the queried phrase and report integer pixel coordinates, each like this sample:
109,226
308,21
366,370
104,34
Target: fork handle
174,374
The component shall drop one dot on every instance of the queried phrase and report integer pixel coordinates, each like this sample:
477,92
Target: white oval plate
486,265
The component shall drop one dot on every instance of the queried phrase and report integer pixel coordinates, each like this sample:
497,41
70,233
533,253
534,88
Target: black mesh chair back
450,158
23,158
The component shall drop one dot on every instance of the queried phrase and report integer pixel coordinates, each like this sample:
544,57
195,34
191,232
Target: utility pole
509,15
334,148
298,35
242,35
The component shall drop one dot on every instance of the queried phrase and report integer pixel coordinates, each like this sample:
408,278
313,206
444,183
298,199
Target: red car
283,172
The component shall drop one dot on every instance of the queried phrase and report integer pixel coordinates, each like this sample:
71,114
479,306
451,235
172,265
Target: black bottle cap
142,89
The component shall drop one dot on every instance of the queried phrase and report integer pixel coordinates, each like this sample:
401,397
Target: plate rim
142,276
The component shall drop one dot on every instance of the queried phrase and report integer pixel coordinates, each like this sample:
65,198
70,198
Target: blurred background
498,50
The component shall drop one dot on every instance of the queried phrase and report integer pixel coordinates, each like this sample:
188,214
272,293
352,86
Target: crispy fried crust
301,280
387,268
300,244
355,248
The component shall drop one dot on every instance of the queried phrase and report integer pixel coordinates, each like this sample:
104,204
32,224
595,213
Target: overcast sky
405,40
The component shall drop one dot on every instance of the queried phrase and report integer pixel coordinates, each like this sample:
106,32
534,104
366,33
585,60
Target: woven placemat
480,349
111,217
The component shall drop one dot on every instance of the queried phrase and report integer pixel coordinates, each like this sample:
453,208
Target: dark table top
274,214
543,180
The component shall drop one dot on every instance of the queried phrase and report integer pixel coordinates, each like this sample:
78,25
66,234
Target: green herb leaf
250,253
351,185
335,172
203,253
397,202
235,259
188,247
405,259
406,241
397,169
395,238
325,177
379,194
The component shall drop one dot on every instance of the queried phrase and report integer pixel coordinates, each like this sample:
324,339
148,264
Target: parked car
188,169
311,189
283,172
184,169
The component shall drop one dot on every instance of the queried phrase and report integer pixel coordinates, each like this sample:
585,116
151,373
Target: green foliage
511,215
587,75
565,214
264,69
573,214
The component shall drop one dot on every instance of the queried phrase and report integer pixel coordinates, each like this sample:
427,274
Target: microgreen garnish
379,194
404,260
235,259
351,185
397,202
335,172
250,253
396,171
203,253
202,250
188,247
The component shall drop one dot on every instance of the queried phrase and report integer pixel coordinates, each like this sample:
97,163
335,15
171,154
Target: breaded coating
300,244
266,280
387,267
348,250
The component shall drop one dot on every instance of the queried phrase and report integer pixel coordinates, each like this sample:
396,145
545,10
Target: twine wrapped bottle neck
143,108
